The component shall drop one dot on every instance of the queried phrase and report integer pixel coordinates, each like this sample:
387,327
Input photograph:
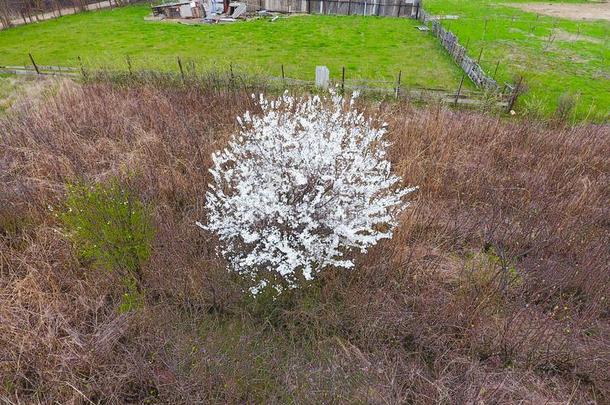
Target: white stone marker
322,77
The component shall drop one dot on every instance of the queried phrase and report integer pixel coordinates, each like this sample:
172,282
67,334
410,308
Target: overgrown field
556,56
495,287
369,48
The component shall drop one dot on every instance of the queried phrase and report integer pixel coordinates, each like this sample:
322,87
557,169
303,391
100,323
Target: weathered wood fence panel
385,8
20,12
39,70
450,42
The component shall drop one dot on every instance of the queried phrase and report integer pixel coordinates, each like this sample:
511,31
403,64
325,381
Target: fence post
181,70
397,90
399,6
480,54
129,65
343,81
457,95
192,68
283,76
82,68
496,70
513,97
34,63
349,7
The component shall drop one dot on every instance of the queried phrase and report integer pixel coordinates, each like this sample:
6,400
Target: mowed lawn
555,55
369,47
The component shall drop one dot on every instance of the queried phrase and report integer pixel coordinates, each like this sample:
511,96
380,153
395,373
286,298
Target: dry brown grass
495,287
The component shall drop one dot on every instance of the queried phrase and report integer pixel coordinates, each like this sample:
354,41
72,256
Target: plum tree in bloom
303,183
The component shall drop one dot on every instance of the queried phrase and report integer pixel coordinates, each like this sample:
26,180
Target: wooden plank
62,68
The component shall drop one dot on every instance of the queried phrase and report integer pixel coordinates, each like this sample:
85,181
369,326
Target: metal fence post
181,70
457,95
34,63
397,90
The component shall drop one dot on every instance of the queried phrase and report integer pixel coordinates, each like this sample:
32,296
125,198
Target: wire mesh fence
187,73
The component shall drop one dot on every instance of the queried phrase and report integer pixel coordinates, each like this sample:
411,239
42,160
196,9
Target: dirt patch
562,35
573,11
559,35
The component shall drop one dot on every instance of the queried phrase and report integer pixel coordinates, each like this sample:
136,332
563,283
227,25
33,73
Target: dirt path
572,11
64,11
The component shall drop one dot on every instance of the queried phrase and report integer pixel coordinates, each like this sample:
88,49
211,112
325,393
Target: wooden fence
40,70
386,8
450,42
19,12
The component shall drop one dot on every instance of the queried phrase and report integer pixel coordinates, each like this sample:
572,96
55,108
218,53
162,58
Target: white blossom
299,186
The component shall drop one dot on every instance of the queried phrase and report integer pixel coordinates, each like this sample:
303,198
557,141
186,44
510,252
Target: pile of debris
200,11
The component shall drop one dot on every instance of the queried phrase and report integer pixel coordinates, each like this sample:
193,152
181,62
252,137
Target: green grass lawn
369,47
555,56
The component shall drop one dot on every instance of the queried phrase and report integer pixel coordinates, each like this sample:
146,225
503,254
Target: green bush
534,107
111,228
566,106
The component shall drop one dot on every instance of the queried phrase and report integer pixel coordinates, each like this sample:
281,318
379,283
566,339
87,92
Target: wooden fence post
34,63
343,80
349,7
399,6
513,97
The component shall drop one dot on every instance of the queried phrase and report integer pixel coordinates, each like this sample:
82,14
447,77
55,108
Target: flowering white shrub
300,185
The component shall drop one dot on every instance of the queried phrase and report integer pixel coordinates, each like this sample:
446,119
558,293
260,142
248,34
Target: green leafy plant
534,107
110,227
490,274
566,106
